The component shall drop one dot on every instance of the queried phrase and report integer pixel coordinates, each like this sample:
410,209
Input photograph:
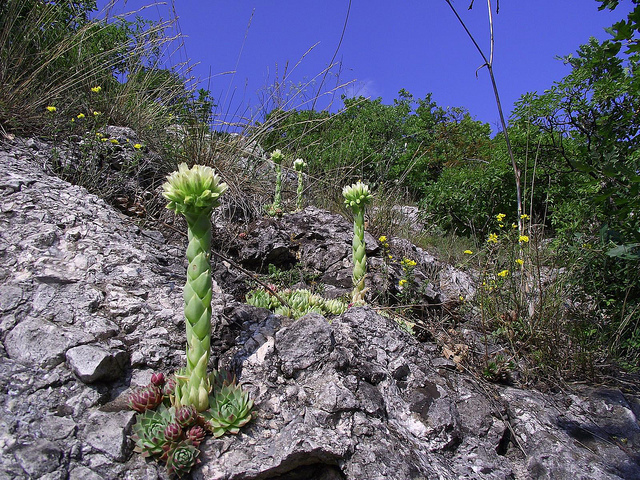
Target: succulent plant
195,193
276,158
181,458
145,398
149,430
299,165
186,415
158,379
230,409
196,434
357,197
169,387
173,432
221,378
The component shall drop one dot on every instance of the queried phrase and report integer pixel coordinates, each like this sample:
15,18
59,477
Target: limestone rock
350,399
92,363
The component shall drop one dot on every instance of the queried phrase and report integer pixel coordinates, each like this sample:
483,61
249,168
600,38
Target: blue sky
417,45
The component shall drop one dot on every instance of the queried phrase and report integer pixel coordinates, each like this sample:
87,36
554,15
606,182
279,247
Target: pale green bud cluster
277,156
189,190
299,165
357,196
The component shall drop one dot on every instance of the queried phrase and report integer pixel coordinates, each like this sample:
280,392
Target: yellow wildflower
519,261
114,141
51,108
524,216
137,146
514,225
500,217
96,113
390,257
493,238
503,273
408,262
80,115
402,283
96,89
382,239
468,252
103,139
523,238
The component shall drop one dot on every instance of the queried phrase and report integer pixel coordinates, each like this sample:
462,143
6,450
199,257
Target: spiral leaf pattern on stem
195,193
357,196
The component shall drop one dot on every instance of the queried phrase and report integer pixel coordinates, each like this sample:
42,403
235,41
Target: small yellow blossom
51,108
114,141
514,225
461,298
96,113
390,257
519,261
468,252
382,239
523,238
103,139
402,283
96,89
503,273
524,216
408,262
80,115
500,217
98,134
493,238
137,146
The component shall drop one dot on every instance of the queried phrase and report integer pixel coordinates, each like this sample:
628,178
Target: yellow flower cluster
500,217
51,108
503,273
96,89
407,262
493,238
523,239
468,252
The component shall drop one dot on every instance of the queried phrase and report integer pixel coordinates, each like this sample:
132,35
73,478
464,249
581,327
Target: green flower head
299,164
195,189
357,195
277,156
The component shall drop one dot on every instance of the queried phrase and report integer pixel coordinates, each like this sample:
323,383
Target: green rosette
195,193
357,197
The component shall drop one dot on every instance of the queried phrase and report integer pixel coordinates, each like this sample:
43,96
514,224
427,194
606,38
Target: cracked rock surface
91,305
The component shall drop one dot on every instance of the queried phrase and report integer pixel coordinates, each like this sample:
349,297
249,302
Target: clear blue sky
417,45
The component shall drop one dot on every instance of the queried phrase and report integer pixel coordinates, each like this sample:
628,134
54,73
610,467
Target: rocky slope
91,305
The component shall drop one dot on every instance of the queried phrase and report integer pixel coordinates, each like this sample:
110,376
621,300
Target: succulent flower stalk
299,165
357,197
277,157
195,193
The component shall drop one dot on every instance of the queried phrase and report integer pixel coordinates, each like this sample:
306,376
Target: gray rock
41,342
92,363
38,458
107,432
354,398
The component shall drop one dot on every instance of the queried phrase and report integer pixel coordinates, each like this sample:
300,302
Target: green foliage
172,434
408,142
299,303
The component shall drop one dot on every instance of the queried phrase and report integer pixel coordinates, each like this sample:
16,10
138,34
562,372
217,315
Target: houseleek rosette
357,197
299,165
276,158
195,193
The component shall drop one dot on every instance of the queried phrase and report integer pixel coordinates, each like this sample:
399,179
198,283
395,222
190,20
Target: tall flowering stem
277,157
299,165
195,193
357,197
